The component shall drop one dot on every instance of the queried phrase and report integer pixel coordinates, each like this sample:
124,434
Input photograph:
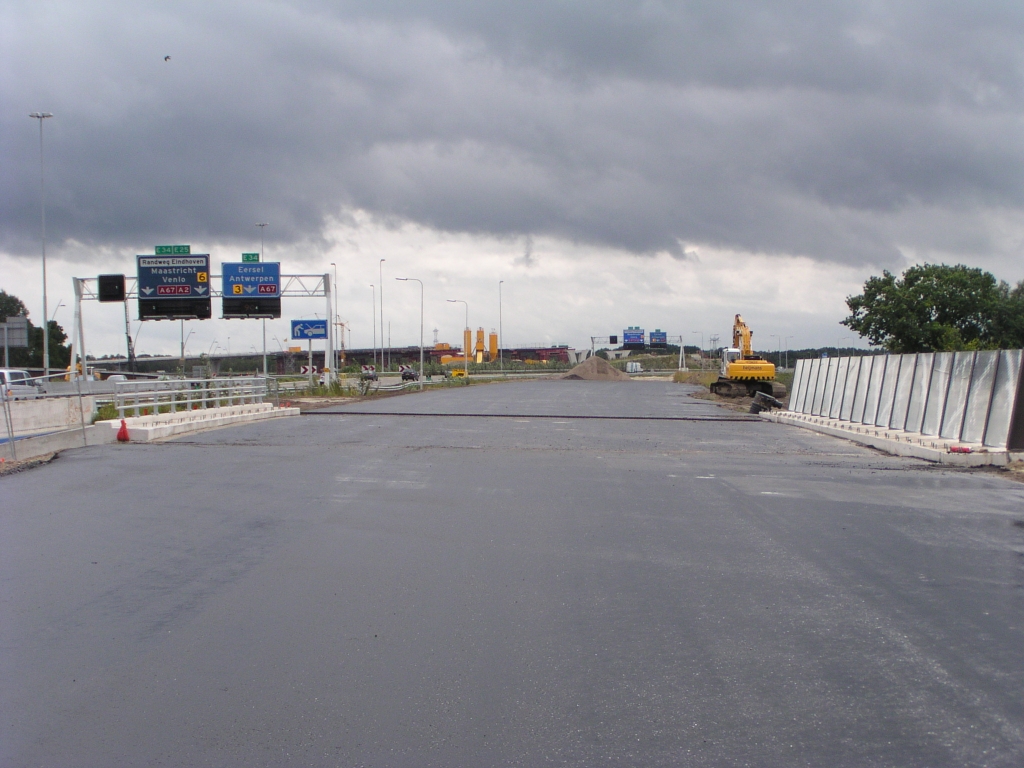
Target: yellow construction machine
743,373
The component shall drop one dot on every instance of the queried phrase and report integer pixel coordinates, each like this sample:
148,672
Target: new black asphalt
385,585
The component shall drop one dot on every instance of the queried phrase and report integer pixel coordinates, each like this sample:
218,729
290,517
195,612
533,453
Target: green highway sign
172,250
250,257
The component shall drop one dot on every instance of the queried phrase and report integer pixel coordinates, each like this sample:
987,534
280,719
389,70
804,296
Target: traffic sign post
173,287
251,289
309,330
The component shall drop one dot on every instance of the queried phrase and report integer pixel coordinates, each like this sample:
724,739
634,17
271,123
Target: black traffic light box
174,309
250,307
111,287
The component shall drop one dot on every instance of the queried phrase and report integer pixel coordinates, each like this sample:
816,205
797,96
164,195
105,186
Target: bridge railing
137,398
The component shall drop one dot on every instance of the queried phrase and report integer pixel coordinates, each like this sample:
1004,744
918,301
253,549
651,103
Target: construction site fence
970,397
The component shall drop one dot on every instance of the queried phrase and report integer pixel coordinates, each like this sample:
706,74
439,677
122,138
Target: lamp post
184,340
334,323
786,366
701,348
406,279
380,276
465,352
373,322
777,336
261,225
40,116
501,355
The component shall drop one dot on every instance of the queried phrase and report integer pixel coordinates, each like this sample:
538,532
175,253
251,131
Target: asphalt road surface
517,585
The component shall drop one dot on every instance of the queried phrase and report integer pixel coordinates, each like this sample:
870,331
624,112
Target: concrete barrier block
934,450
144,429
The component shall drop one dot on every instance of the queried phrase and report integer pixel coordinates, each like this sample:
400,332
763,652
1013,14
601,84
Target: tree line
32,356
938,308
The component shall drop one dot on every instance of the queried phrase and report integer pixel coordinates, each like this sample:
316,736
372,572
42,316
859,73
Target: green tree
1009,321
32,356
10,306
935,307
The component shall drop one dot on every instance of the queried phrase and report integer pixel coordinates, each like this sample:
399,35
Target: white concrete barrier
40,445
940,403
48,414
143,429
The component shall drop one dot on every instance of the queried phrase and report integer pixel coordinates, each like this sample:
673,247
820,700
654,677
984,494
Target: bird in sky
167,58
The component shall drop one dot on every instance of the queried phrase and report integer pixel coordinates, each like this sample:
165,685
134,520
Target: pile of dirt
595,369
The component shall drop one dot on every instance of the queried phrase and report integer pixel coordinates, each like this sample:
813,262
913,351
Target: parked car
19,385
410,375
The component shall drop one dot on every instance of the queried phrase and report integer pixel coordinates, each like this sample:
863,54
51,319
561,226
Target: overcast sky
656,164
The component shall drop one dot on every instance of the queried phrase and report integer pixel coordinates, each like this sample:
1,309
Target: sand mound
595,369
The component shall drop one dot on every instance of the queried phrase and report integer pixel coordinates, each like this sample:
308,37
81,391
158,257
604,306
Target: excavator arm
741,334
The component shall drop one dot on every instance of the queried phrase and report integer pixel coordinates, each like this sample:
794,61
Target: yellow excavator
744,374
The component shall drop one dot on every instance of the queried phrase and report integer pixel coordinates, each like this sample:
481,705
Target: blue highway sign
309,329
174,277
633,336
258,281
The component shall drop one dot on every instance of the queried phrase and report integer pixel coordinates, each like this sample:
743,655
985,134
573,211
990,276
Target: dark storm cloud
838,131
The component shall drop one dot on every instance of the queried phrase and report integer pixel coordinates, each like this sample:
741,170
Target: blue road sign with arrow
255,281
309,329
174,277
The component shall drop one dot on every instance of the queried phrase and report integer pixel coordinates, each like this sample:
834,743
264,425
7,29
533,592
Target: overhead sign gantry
174,284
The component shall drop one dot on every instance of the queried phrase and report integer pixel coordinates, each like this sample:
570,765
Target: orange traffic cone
122,433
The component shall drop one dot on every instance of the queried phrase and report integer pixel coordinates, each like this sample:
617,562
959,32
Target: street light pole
380,275
261,225
501,355
406,279
40,116
184,341
465,352
701,348
334,324
373,322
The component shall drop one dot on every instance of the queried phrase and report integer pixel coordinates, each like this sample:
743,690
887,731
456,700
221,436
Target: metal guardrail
187,394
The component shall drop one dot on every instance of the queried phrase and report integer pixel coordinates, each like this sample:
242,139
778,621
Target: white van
18,385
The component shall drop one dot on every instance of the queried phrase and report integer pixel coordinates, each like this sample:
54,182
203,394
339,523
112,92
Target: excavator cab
729,355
